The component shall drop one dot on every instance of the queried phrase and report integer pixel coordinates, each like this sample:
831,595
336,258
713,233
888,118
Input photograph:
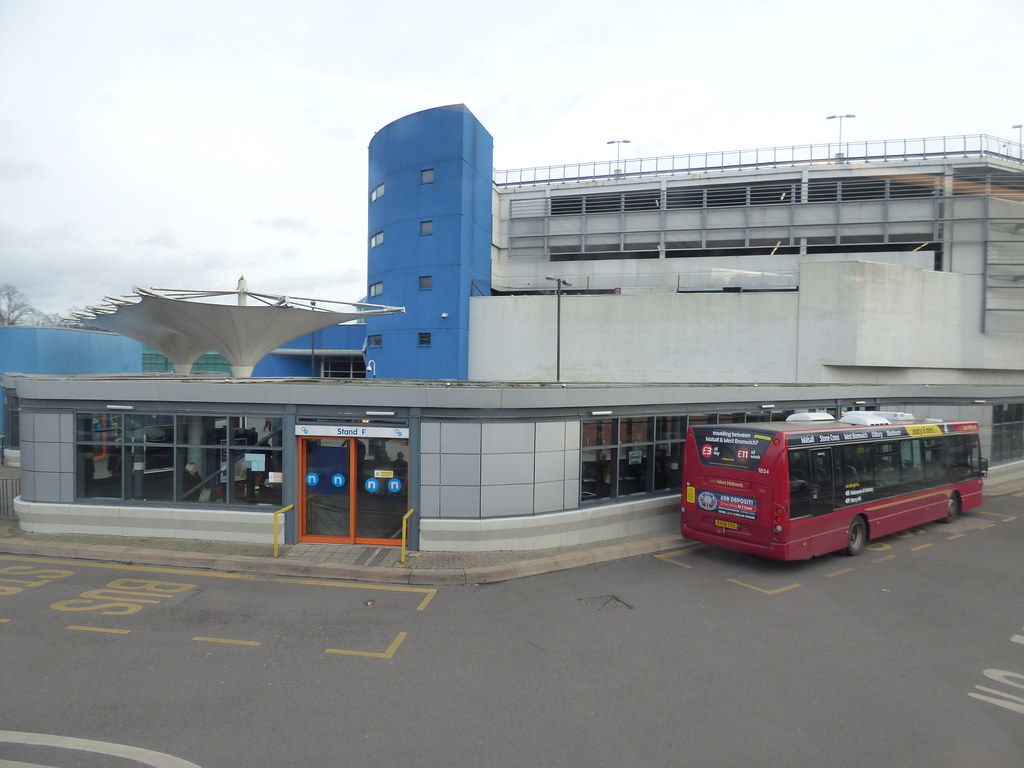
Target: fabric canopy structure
177,325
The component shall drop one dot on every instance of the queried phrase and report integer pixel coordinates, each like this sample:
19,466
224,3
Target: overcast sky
183,143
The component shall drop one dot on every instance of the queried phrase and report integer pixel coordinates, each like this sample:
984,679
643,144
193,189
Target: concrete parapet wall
558,529
150,522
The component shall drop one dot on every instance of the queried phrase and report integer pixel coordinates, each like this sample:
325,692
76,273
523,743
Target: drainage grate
366,554
603,604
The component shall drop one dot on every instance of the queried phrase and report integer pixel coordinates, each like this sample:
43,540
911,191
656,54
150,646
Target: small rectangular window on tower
374,340
377,239
426,227
378,191
426,282
427,176
424,339
376,289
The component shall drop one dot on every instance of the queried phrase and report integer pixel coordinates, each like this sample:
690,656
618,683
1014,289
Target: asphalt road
911,654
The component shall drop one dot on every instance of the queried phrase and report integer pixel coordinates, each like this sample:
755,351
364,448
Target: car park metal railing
886,150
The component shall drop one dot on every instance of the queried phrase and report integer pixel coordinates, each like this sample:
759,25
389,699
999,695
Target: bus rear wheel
952,508
857,537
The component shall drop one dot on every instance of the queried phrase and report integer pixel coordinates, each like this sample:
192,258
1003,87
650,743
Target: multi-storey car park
562,328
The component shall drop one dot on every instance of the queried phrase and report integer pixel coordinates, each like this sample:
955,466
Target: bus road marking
986,526
955,536
106,630
839,572
225,640
1002,518
921,546
427,592
390,652
883,559
763,591
668,557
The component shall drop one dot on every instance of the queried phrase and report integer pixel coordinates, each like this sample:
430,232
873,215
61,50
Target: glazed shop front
354,483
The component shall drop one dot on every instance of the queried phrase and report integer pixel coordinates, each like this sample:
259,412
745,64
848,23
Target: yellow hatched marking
106,630
838,573
921,546
386,655
427,592
883,559
955,536
225,640
763,591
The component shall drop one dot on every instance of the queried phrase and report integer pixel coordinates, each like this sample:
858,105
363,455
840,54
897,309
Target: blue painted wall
25,349
337,337
456,255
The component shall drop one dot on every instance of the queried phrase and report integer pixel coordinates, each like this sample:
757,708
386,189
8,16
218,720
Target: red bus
811,485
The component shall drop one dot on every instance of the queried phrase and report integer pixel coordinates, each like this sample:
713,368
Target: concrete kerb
529,565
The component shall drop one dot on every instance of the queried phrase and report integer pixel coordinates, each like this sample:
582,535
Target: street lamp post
618,153
840,118
559,283
1020,142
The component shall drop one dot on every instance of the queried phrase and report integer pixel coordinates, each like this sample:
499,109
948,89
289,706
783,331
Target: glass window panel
668,467
200,430
252,471
633,469
98,427
98,473
597,471
599,432
202,477
635,430
671,428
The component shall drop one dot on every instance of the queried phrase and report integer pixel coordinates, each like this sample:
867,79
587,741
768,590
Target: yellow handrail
279,512
405,532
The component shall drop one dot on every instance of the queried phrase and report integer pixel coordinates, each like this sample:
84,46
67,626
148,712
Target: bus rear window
730,447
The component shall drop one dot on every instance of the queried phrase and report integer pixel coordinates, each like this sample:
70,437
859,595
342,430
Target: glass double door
352,490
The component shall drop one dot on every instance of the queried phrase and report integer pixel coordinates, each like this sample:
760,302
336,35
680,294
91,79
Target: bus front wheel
952,508
857,537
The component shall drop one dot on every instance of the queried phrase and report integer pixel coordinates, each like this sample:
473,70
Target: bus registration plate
727,524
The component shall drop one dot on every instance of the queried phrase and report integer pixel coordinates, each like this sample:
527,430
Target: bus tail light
778,520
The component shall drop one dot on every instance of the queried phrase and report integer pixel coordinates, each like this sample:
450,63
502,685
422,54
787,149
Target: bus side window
913,468
799,485
822,472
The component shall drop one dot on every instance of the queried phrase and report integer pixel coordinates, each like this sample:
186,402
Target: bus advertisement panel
795,491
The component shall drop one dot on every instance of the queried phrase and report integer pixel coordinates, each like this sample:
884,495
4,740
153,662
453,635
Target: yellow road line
921,546
763,591
106,630
123,567
882,559
1003,518
838,573
986,526
4,621
225,640
667,557
386,655
428,592
955,536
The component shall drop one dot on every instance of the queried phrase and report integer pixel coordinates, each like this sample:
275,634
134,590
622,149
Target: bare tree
15,307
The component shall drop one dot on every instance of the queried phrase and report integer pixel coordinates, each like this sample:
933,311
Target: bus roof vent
811,416
865,418
895,416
